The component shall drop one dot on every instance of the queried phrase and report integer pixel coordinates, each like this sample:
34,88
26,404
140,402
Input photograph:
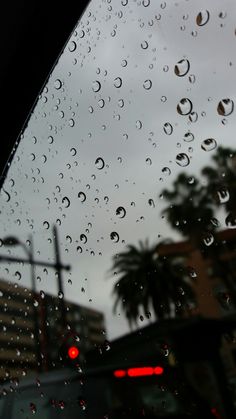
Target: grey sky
42,170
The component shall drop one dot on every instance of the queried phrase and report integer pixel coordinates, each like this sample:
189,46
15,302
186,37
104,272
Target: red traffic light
73,352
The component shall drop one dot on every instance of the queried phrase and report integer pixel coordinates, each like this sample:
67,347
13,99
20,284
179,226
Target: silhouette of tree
150,282
221,182
190,210
193,207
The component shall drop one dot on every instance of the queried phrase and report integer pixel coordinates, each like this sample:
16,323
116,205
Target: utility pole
58,269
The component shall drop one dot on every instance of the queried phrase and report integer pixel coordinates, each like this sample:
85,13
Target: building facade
212,273
32,330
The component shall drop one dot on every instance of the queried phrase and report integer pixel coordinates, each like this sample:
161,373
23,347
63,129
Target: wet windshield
118,208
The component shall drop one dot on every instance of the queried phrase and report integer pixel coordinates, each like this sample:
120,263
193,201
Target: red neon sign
73,352
139,372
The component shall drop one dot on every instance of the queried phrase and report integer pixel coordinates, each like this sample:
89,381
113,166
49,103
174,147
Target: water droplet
166,171
46,225
99,163
68,239
33,408
182,68
151,203
32,156
209,144
57,84
184,106
18,275
114,237
225,107
82,404
144,45
147,84
222,15
163,99
202,17
168,129
79,249
192,78
191,272
182,159
36,303
148,161
66,202
146,3
6,195
83,238
121,212
71,122
82,196
215,222
101,103
230,220
42,294
60,295
118,82
139,124
73,151
191,180
72,46
193,117
223,195
208,239
96,86
188,137
61,404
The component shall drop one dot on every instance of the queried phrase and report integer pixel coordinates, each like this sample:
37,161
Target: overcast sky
107,100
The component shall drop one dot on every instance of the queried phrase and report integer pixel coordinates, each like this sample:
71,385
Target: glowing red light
158,370
119,373
140,371
73,352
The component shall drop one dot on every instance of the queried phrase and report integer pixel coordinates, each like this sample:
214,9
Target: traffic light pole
59,276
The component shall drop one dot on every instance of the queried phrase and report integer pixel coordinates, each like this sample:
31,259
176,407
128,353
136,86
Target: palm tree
149,282
190,211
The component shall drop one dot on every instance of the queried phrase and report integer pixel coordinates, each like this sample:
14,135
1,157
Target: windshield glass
118,210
